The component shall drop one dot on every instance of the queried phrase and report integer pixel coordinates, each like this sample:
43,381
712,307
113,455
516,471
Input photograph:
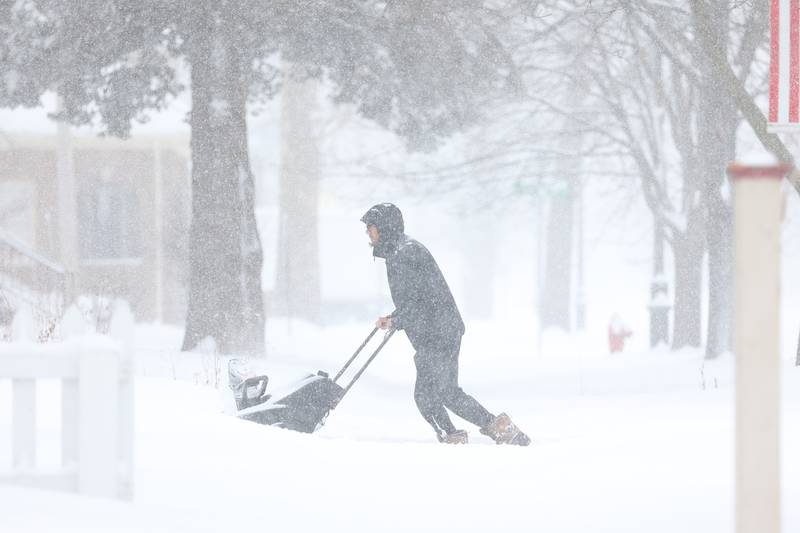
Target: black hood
389,221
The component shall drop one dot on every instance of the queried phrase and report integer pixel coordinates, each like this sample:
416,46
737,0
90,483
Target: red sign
784,68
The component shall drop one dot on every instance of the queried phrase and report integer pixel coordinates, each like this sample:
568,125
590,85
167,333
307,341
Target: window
109,227
16,209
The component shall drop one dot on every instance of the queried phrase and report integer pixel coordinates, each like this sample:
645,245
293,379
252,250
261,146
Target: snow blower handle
352,358
386,338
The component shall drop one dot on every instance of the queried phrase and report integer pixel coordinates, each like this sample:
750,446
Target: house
113,213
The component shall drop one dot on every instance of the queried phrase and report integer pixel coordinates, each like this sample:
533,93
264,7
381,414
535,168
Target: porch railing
28,277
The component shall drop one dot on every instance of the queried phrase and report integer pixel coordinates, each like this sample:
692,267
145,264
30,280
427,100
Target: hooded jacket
425,307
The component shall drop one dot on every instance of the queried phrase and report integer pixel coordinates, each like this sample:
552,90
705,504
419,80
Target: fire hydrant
617,333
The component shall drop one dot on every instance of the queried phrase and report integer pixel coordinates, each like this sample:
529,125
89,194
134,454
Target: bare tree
716,44
651,115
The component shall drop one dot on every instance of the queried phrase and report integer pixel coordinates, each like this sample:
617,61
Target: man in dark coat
427,312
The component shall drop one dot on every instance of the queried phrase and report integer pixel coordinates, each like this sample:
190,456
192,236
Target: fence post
24,423
125,410
98,429
121,329
69,421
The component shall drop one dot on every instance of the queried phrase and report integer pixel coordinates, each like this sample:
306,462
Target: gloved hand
384,322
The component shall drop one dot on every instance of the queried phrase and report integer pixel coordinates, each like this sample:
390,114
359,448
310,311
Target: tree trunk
556,297
659,291
720,280
297,283
225,300
717,145
688,256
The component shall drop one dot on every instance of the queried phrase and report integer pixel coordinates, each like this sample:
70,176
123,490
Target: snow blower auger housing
304,406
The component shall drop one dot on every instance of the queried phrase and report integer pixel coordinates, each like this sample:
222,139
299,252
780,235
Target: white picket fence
97,414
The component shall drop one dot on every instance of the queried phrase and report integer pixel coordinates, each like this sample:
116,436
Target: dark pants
437,388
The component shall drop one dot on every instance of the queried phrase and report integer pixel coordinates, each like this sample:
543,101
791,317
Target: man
427,312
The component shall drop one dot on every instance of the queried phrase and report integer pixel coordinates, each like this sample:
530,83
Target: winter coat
425,307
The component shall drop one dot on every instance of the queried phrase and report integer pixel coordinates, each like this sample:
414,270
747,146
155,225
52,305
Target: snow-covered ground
631,442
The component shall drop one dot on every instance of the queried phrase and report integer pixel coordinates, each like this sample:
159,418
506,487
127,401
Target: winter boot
458,436
504,431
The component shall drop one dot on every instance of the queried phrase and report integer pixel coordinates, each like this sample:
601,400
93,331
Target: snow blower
302,407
